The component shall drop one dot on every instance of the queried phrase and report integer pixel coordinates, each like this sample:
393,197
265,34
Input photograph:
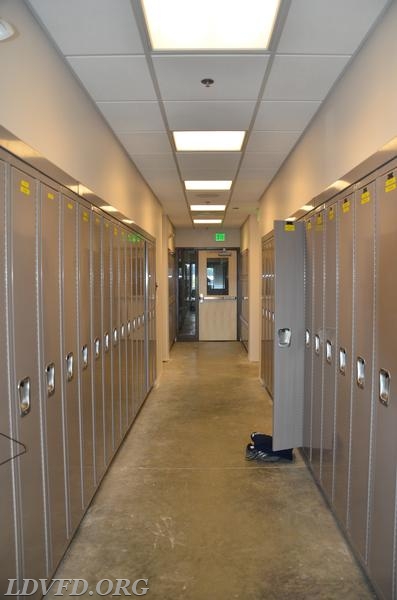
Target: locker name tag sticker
331,214
346,206
86,218
115,231
289,227
390,183
50,196
70,206
319,222
365,196
24,187
309,225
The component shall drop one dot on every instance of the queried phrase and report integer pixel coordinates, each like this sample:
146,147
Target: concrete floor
182,507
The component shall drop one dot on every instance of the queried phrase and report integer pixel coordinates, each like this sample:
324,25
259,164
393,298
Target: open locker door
289,342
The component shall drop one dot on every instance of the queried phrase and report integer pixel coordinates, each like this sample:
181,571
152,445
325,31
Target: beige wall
358,118
205,238
251,241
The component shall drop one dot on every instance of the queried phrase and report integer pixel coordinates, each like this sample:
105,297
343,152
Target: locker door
55,448
344,359
130,318
116,335
70,358
84,355
289,335
25,394
151,313
263,318
382,534
330,346
107,340
362,366
97,347
123,334
309,335
135,312
8,449
141,323
272,314
318,341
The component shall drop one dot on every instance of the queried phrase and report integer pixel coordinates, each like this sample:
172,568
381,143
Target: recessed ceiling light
128,221
208,185
209,25
6,30
208,141
205,207
207,221
307,207
109,208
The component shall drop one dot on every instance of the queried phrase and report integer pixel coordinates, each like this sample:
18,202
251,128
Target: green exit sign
220,237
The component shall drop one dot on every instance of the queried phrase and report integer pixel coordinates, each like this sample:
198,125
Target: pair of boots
260,448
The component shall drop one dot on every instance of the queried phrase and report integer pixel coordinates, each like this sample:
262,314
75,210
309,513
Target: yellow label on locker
309,225
289,227
346,206
331,214
24,187
50,196
319,219
97,220
86,217
390,183
70,206
365,197
115,231
107,225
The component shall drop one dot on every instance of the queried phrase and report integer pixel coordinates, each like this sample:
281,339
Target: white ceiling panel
208,174
284,116
191,116
90,26
248,191
343,25
303,77
272,141
150,162
262,160
208,197
114,78
236,77
189,162
130,117
255,176
146,142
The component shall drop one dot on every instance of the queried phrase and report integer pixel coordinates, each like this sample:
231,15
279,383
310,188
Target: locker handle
143,319
129,328
50,377
122,331
24,396
328,351
97,347
134,324
69,366
284,337
384,387
107,342
307,338
342,361
360,379
84,356
115,336
317,344
139,322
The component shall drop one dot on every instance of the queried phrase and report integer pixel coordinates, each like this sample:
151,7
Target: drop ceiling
145,95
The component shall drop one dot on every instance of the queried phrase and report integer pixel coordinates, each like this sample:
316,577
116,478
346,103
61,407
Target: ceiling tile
262,160
208,174
284,115
191,116
248,191
189,162
150,162
272,141
236,77
71,25
146,142
114,78
129,117
208,197
256,176
303,77
328,27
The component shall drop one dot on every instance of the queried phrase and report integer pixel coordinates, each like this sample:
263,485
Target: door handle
97,346
50,378
84,356
69,366
384,387
24,396
360,368
342,361
328,351
284,337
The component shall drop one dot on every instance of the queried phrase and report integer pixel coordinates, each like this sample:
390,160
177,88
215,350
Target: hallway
181,507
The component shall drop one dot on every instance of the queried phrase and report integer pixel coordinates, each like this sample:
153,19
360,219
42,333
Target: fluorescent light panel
208,141
208,185
207,207
206,221
209,25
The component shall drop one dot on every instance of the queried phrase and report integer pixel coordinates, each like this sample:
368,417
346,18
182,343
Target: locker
344,359
25,393
363,364
271,316
382,532
135,312
70,359
96,346
51,373
123,334
309,336
130,320
115,286
318,341
84,354
330,346
151,313
8,449
141,325
107,340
